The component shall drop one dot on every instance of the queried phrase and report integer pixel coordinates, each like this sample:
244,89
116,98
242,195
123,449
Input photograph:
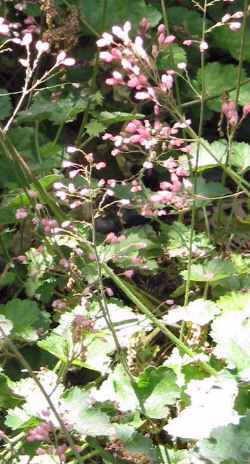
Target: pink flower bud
4,29
169,39
42,46
21,213
69,61
188,42
235,26
100,165
203,46
27,39
60,57
106,57
129,273
246,109
105,41
226,18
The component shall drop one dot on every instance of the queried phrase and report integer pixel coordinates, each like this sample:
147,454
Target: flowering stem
165,18
195,173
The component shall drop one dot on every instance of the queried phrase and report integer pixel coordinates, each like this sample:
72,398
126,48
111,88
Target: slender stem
165,19
195,173
242,46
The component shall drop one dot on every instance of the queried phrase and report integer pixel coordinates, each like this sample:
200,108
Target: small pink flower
238,15
27,39
188,42
109,291
111,238
100,165
144,25
226,18
141,95
129,273
169,39
106,57
182,66
69,61
42,46
246,109
203,46
148,165
235,26
21,213
105,40
60,57
4,29
72,149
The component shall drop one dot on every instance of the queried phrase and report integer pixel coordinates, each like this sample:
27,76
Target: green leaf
7,398
18,419
25,316
244,95
231,332
118,12
157,389
94,128
85,418
117,116
139,241
210,155
188,19
7,215
118,388
240,155
63,111
210,190
233,301
170,57
5,104
229,444
212,271
218,79
135,442
175,239
229,41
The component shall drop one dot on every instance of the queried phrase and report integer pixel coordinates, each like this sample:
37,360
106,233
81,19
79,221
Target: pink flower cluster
230,112
232,21
136,67
172,193
40,433
145,136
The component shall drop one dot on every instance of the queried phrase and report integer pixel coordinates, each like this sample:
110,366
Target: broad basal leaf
230,41
157,389
218,79
229,444
212,271
170,57
208,155
118,12
85,418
